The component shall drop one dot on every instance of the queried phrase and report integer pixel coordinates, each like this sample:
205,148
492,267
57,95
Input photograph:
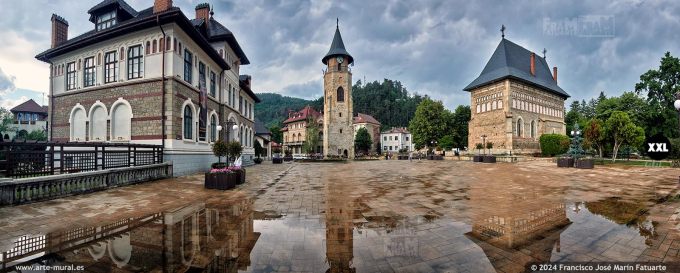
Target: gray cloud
6,83
433,47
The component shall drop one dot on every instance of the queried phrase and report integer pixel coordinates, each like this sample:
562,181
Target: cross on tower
337,22
502,31
544,51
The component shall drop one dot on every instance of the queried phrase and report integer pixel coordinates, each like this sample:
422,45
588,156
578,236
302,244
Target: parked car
300,156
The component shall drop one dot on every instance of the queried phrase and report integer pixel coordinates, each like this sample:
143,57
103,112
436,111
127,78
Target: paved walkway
422,216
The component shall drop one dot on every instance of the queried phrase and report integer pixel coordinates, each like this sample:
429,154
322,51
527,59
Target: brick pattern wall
499,124
144,98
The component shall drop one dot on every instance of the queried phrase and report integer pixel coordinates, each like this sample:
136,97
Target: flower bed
225,178
585,163
565,162
489,159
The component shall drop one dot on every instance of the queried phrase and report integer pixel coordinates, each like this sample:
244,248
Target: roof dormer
108,13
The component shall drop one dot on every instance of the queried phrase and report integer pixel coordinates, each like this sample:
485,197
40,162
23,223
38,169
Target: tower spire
503,31
337,23
544,51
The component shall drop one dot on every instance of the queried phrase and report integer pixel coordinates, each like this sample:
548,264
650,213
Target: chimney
161,5
203,11
555,73
59,30
533,64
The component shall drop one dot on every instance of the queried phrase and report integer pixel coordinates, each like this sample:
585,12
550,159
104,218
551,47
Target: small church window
341,131
519,127
340,94
478,108
340,114
500,104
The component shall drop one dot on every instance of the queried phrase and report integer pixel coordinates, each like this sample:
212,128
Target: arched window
78,122
161,45
213,128
154,47
533,129
478,108
122,54
168,44
188,122
340,94
519,127
339,66
148,47
493,105
98,117
222,53
500,104
121,117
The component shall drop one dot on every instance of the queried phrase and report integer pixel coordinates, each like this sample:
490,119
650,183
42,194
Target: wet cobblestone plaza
373,216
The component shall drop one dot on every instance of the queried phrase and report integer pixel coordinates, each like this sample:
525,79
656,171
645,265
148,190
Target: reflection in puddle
229,236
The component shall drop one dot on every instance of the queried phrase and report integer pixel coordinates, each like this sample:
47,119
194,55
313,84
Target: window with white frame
71,76
98,123
188,66
89,72
121,117
135,62
188,123
110,67
106,20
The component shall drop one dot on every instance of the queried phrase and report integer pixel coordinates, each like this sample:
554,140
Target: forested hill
389,102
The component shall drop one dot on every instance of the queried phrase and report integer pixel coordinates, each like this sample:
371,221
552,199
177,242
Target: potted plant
489,158
478,157
214,179
288,155
565,162
221,179
584,163
235,149
259,150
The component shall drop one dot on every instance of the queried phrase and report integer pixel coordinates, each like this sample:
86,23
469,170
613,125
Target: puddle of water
230,236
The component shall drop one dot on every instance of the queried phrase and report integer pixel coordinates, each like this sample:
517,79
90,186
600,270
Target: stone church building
151,76
515,100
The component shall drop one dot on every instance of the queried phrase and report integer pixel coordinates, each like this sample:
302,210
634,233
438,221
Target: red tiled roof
363,118
400,130
303,114
29,106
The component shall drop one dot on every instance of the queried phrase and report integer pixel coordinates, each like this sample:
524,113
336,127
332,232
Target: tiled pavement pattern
421,216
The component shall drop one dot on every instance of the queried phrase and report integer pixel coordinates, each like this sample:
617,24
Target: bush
257,160
554,144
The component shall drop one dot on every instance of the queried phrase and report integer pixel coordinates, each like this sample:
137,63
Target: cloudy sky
433,47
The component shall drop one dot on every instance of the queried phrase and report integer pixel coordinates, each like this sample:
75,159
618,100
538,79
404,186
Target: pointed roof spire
544,51
337,47
502,31
337,23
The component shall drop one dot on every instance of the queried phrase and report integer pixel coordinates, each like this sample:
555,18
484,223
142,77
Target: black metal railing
30,159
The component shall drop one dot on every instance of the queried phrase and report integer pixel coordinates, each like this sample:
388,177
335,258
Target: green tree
6,121
461,119
447,142
595,135
219,149
312,138
623,131
362,140
661,87
431,122
234,149
277,135
575,115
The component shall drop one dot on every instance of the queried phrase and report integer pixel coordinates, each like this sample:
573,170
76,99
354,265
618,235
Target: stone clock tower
338,132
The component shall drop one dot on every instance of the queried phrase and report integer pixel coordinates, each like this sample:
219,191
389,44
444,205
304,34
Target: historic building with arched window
150,76
515,100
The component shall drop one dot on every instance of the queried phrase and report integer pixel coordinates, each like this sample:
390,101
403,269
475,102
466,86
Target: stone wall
513,116
338,131
144,98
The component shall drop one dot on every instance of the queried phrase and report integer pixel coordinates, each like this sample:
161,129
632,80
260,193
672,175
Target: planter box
477,158
220,181
489,159
288,158
241,176
277,160
438,157
565,162
586,163
402,157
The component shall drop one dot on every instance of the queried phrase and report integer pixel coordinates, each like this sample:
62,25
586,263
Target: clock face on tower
339,59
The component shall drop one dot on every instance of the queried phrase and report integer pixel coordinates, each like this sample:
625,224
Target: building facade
28,117
264,137
515,100
295,130
372,126
338,136
151,76
396,139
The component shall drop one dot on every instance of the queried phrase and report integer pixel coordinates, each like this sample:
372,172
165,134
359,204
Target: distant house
372,125
396,139
28,117
264,137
